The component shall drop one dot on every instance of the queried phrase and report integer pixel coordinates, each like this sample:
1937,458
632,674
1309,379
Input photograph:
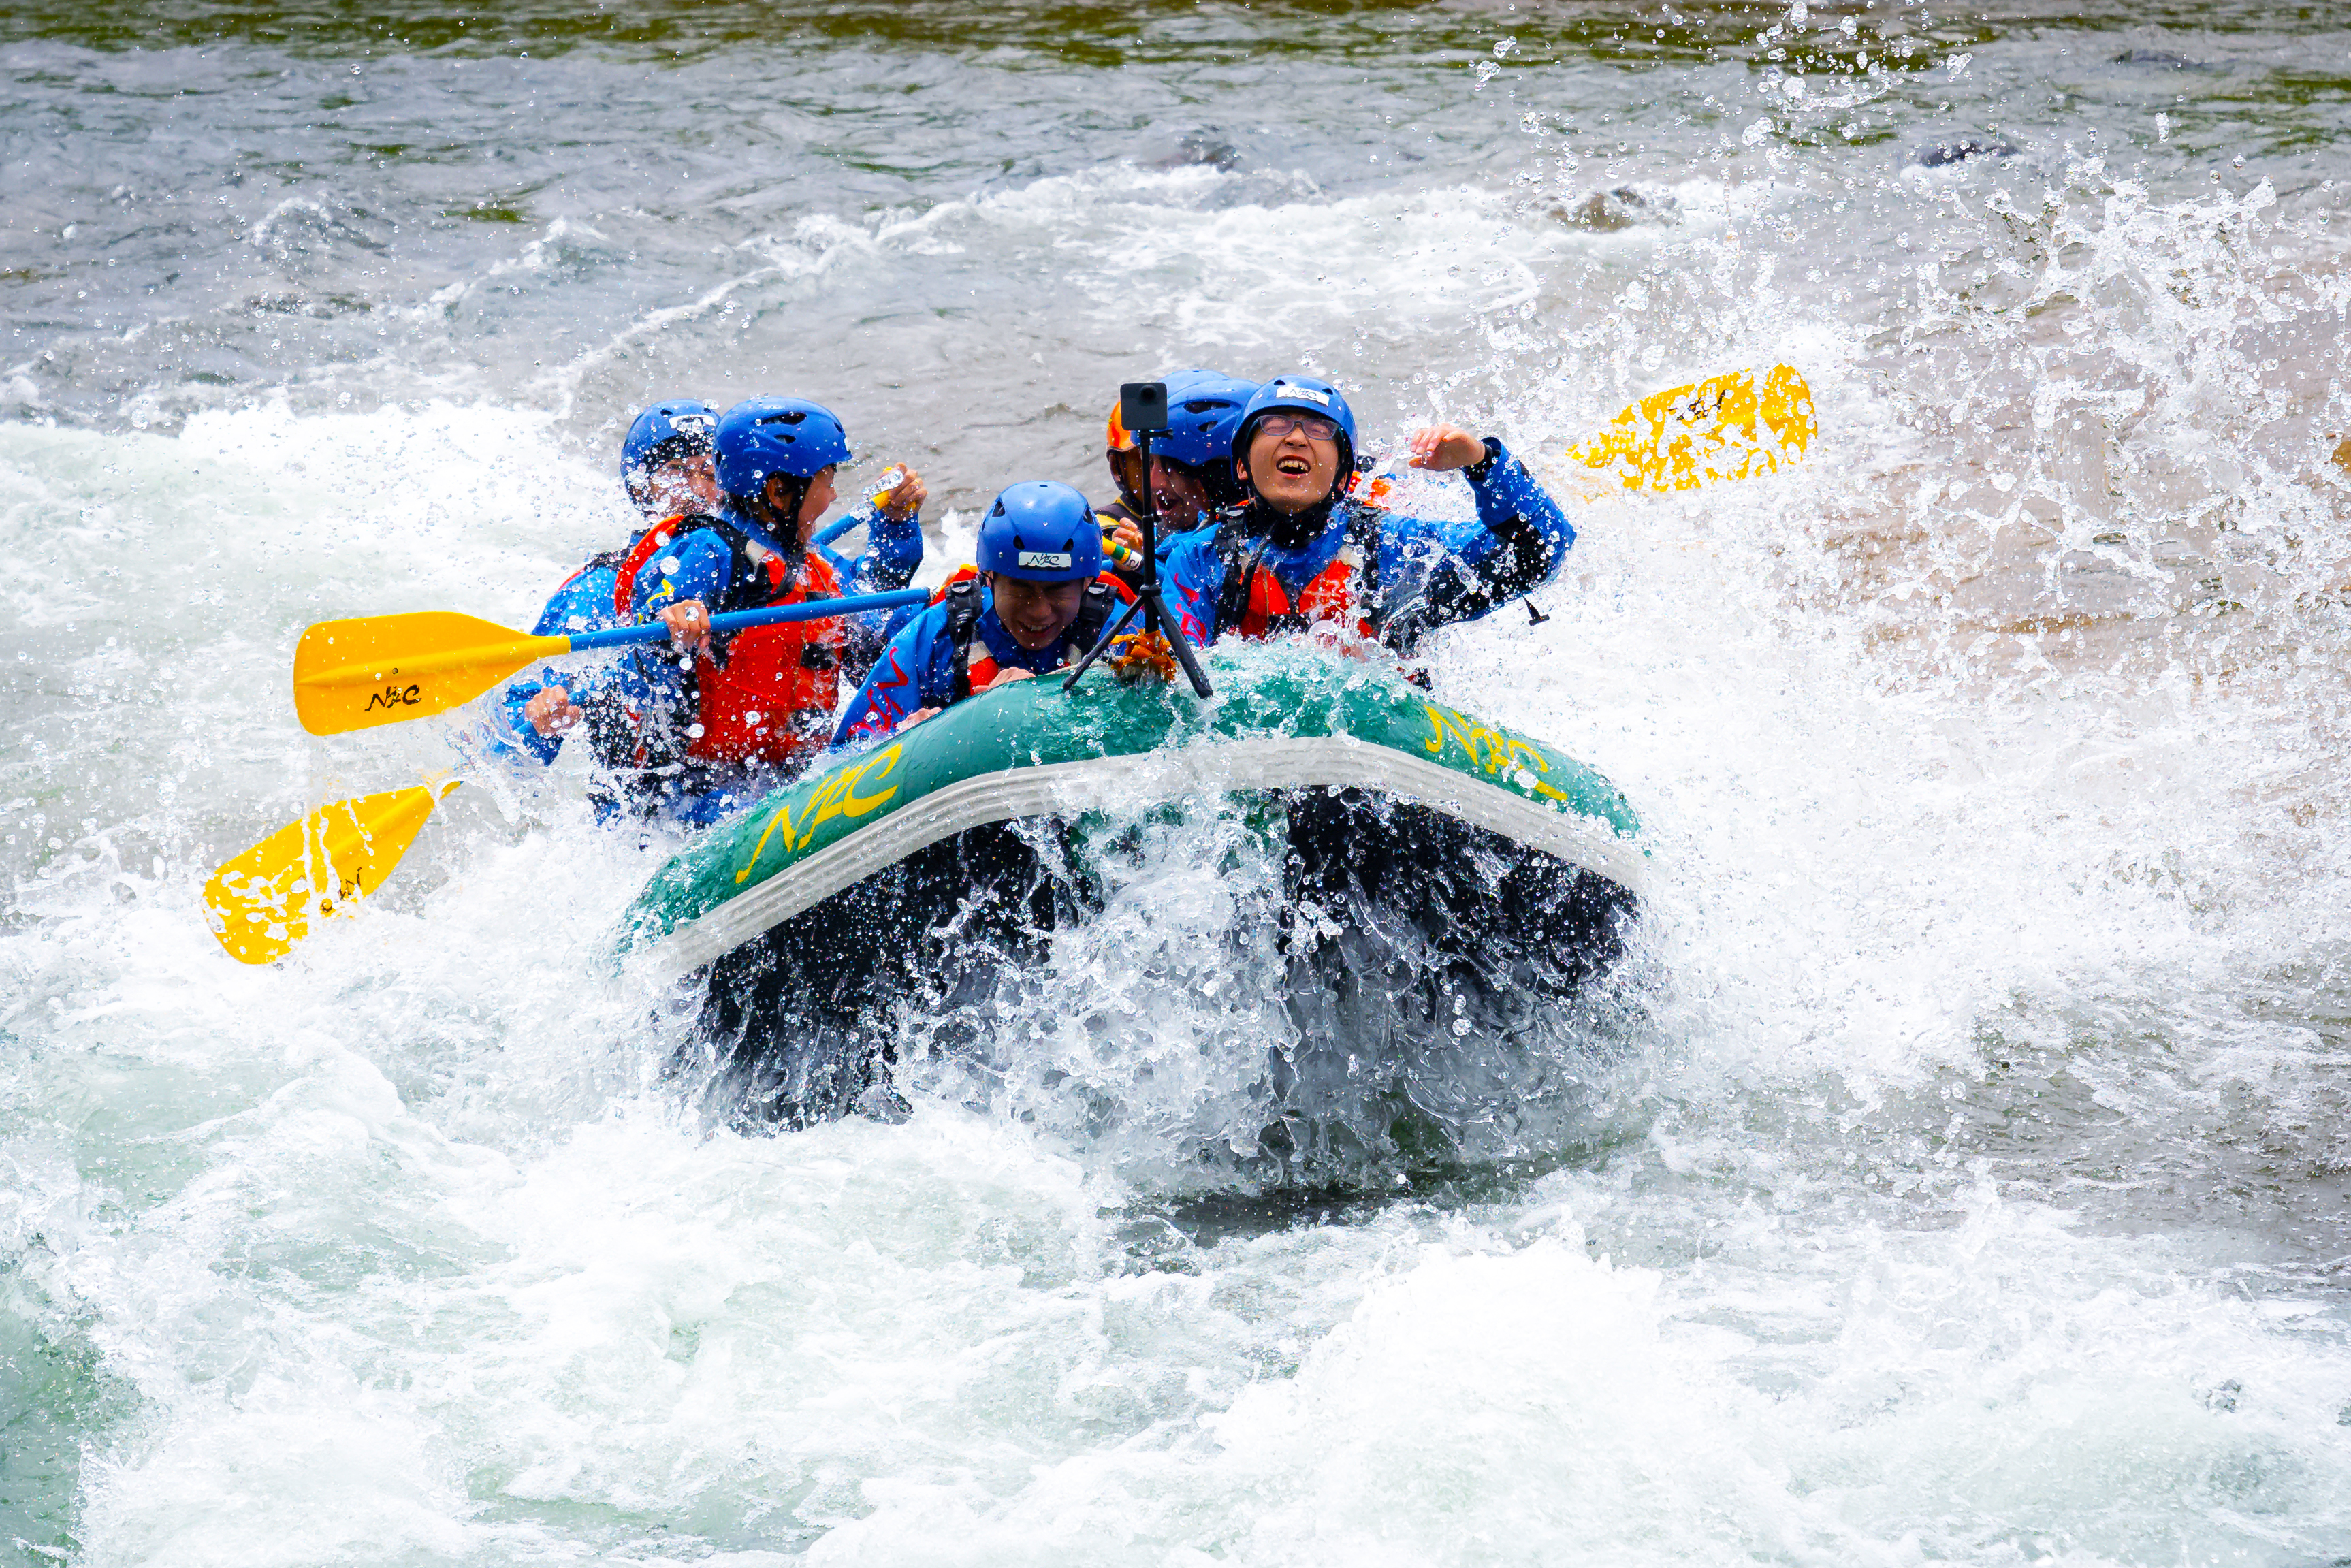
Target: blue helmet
671,429
1040,531
1204,408
763,436
1301,394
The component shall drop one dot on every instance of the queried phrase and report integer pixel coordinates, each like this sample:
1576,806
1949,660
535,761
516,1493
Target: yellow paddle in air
264,901
386,669
1731,427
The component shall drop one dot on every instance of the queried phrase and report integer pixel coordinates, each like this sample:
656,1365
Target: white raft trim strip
1338,762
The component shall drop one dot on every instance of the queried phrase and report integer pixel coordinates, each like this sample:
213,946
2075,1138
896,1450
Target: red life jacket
624,585
1252,603
768,693
1329,595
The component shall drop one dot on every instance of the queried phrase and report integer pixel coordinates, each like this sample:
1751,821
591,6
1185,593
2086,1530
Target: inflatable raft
1429,861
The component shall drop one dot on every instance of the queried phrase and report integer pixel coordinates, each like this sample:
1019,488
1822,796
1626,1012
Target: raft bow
1430,856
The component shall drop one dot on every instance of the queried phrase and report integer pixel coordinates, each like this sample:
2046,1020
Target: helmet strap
1290,530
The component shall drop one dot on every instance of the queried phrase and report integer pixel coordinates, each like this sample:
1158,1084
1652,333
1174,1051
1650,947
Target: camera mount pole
1147,593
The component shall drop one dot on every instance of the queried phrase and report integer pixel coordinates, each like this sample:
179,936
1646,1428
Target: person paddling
1299,551
666,469
1034,600
726,718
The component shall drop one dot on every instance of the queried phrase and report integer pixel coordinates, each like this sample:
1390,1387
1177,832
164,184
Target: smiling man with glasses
1299,551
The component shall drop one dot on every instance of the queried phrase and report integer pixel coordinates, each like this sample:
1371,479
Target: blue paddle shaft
838,527
744,620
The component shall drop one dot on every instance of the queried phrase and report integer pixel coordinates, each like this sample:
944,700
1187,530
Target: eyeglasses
1315,427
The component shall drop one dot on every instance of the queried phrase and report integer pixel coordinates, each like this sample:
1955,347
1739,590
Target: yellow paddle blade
1726,428
262,902
384,669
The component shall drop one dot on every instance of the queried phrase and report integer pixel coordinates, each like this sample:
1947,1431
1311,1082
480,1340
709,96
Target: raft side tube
1069,788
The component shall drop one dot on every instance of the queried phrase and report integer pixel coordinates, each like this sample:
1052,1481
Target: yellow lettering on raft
1495,751
837,797
855,805
1444,723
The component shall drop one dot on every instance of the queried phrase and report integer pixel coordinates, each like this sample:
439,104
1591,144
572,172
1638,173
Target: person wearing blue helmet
666,462
1191,463
725,718
1300,551
666,469
1035,600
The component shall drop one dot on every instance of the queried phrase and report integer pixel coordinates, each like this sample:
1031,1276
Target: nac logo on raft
1499,752
836,796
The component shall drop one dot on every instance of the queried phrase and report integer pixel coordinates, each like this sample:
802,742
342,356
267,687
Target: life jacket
767,693
1253,603
632,560
973,666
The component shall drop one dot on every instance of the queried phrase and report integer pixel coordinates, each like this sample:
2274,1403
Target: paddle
386,669
1726,428
264,901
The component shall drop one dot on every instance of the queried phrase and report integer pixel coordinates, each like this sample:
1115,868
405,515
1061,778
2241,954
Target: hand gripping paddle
386,669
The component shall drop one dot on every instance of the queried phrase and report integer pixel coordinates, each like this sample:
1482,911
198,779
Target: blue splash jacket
1414,574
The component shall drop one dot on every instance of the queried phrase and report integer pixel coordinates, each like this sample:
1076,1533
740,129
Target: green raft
1446,842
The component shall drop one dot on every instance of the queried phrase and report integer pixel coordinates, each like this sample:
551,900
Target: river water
1966,1181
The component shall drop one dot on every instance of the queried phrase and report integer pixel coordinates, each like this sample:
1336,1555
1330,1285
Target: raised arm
1434,574
893,539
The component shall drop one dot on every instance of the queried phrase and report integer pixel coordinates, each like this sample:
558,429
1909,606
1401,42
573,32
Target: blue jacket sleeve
1436,574
912,673
894,549
583,603
1191,575
694,567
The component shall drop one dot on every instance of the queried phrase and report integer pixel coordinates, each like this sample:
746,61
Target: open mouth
1296,467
